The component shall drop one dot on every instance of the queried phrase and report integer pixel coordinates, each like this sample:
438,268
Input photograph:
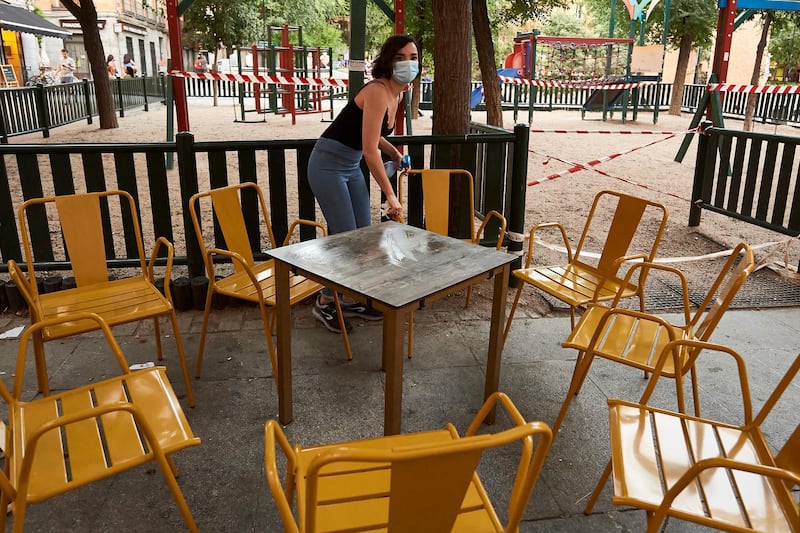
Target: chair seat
239,285
625,337
641,474
117,302
354,496
575,284
87,451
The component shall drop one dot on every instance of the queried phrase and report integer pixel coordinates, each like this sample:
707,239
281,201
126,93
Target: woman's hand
393,207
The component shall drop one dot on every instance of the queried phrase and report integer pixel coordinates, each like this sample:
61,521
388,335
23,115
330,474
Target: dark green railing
42,108
748,176
497,158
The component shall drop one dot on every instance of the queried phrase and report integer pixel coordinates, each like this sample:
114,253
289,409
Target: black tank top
346,128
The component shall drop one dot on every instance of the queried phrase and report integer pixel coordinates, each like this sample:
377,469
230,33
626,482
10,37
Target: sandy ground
649,171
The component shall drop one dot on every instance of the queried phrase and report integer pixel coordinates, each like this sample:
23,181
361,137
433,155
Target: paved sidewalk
223,478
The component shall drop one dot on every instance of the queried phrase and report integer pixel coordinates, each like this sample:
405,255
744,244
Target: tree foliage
563,22
211,23
784,43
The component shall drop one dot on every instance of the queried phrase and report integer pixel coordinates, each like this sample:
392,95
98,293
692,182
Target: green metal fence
498,159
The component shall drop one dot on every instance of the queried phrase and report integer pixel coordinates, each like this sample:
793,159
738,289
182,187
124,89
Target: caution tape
753,89
606,174
577,167
593,85
609,132
260,78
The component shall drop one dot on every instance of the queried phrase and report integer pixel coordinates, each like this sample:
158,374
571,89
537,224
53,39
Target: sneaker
359,310
326,313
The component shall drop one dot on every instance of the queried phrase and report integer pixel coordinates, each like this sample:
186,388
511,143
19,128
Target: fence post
88,101
119,97
3,128
44,115
700,172
144,90
187,172
518,189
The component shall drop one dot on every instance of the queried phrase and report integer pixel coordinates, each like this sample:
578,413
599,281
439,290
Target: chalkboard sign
7,73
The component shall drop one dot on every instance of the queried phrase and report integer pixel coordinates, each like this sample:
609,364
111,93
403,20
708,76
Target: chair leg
337,302
267,317
157,331
598,489
184,368
42,380
511,313
198,367
410,334
695,393
578,375
172,483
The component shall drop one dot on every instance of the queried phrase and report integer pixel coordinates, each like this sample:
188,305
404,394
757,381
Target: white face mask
405,71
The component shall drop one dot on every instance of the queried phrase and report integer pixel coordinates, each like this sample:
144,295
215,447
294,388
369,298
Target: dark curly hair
382,67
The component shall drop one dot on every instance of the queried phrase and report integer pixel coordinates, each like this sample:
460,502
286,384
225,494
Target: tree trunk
452,53
750,107
680,74
86,14
485,47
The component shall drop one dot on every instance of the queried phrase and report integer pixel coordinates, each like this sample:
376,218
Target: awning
17,19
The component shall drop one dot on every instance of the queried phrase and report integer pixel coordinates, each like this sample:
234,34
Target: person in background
201,63
111,66
360,130
128,66
66,68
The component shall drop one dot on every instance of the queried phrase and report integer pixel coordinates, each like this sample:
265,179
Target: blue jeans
335,177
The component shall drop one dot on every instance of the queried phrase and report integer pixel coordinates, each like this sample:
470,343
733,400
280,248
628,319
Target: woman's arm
375,104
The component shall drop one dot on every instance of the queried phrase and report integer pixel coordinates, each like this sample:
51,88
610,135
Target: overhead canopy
17,19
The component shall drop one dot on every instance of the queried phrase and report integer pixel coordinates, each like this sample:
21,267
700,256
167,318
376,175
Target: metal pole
176,51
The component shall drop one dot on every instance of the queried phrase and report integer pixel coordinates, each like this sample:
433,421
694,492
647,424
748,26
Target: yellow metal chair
719,475
436,185
121,301
414,482
251,281
636,338
636,222
61,442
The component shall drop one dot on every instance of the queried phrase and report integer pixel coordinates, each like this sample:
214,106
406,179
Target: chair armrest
303,222
716,462
273,434
701,346
532,238
237,258
22,351
500,234
161,241
646,267
490,404
26,289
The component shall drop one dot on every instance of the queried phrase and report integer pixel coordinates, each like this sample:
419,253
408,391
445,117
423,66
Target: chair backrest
739,265
426,484
623,229
230,226
84,232
436,197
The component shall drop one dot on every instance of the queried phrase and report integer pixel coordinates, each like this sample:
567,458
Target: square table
395,268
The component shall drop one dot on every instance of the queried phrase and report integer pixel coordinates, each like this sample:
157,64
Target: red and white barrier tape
608,132
260,78
593,85
606,174
577,167
760,89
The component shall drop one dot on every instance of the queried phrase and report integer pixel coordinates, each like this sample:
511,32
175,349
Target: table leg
284,327
393,322
496,337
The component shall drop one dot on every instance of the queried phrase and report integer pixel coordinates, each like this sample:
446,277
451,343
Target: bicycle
46,78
